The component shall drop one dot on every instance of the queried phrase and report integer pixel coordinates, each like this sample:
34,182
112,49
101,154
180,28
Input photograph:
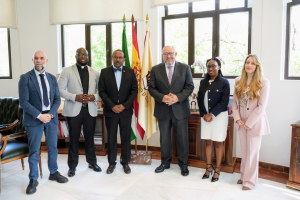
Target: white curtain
8,14
92,11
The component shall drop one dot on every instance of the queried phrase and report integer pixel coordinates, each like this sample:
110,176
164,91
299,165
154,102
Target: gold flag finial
147,17
132,18
124,17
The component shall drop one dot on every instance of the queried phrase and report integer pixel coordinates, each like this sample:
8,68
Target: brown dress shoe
110,169
126,168
239,181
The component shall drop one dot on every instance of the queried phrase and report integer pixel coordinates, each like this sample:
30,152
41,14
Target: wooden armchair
13,137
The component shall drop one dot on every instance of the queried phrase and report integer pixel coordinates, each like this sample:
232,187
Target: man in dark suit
40,100
118,89
171,83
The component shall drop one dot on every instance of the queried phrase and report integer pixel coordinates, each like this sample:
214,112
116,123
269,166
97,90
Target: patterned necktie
45,93
170,74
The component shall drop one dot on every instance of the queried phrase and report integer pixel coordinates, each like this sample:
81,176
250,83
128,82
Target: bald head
82,56
40,61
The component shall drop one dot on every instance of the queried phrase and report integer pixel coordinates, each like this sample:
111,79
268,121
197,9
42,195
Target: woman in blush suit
250,100
213,97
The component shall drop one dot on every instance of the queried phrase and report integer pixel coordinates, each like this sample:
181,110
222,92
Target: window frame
215,15
88,41
9,57
287,41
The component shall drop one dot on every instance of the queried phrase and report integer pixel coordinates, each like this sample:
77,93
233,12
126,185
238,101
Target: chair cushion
14,148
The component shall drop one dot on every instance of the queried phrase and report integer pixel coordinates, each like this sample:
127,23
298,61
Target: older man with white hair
39,97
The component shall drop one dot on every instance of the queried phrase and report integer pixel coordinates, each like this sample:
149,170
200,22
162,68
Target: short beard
172,64
82,64
39,69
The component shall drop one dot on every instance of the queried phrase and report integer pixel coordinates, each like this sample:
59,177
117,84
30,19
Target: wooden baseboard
269,166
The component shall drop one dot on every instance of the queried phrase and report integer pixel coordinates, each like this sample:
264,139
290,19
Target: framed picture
230,105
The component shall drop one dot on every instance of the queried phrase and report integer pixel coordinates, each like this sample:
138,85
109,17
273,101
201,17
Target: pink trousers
250,157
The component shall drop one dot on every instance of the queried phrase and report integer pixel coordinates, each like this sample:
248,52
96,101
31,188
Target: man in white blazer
78,84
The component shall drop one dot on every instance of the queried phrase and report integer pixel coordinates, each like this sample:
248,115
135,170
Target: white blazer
69,84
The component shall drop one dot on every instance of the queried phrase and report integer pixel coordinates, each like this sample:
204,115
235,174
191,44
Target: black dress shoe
126,168
110,169
95,167
58,177
71,172
184,171
161,168
31,188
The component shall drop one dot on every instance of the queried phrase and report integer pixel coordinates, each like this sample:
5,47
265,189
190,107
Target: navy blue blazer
31,100
218,97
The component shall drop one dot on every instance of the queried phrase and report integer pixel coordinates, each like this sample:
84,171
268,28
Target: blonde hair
256,83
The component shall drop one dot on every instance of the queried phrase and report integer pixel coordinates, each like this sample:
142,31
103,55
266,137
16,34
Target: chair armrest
4,127
15,135
9,137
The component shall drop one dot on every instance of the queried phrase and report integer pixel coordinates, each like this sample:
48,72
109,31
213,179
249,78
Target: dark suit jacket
182,85
110,95
31,100
218,95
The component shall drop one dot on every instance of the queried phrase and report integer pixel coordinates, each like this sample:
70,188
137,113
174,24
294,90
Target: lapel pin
123,70
217,90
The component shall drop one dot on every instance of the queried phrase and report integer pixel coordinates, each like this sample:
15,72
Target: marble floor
141,184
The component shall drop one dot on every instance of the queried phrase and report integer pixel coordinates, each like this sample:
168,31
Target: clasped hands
84,98
118,108
45,118
208,117
241,124
170,99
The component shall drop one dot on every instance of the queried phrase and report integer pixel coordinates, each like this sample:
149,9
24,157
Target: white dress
216,130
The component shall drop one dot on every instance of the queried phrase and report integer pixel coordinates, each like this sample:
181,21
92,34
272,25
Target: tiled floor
142,183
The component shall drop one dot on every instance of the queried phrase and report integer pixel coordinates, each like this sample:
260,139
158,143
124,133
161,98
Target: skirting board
265,165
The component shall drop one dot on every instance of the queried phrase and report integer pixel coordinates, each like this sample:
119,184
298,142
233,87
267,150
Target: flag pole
135,140
147,19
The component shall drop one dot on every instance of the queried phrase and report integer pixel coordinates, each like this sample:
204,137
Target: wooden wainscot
197,156
294,174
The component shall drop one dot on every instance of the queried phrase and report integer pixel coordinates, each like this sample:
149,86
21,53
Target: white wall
268,36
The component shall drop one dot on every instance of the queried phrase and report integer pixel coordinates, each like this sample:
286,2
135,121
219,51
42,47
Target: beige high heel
245,188
240,181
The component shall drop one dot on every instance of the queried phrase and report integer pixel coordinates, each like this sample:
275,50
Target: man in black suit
171,91
118,89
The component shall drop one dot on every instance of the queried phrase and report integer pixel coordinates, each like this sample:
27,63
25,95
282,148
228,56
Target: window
292,60
5,62
97,39
205,29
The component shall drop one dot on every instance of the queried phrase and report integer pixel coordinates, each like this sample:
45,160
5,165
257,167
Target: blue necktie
45,93
117,69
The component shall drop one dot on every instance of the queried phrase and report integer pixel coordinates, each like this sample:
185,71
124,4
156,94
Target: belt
84,104
45,111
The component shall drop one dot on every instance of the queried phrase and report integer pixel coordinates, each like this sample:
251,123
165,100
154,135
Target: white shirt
37,73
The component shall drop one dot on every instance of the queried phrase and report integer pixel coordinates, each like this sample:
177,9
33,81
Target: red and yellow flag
136,65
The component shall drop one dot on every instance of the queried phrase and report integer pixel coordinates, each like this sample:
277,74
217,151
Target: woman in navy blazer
213,98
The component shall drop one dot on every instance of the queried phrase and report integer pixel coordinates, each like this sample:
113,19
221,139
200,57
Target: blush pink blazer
255,112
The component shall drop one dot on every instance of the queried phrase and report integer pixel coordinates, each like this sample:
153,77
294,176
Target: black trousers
112,124
182,139
83,118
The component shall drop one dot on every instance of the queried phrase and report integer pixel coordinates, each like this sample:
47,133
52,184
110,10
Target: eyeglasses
82,54
115,57
211,66
170,54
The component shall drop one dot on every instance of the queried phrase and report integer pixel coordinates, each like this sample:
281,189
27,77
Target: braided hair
205,83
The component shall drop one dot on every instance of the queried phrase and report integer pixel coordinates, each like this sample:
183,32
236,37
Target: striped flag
146,102
127,61
136,65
